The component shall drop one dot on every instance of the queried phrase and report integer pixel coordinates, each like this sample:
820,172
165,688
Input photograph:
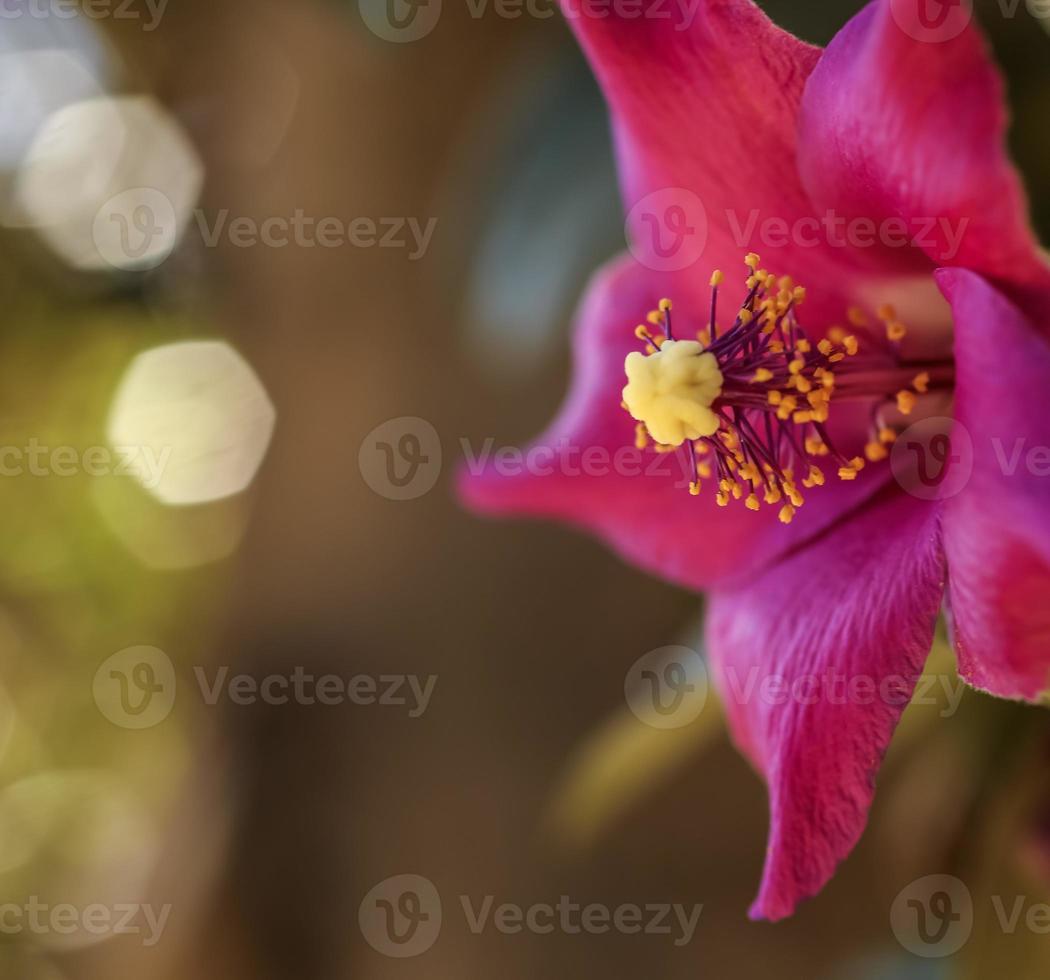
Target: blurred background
193,365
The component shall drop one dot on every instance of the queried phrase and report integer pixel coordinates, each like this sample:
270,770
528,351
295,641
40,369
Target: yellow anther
642,332
798,294
703,470
851,469
886,313
773,495
752,260
815,446
655,317
922,382
875,451
825,347
694,489
896,331
802,418
722,498
641,436
851,345
815,478
717,278
836,335
905,402
787,514
752,502
796,366
665,305
746,316
750,472
763,374
803,346
775,398
737,491
887,436
776,347
802,384
857,317
751,282
704,336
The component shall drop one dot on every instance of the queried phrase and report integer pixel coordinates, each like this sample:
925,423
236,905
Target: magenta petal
584,468
844,626
895,127
709,106
997,529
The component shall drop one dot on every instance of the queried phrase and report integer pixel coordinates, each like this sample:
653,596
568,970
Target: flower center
751,403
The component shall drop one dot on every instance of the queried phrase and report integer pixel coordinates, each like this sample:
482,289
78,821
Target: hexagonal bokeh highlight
110,183
194,421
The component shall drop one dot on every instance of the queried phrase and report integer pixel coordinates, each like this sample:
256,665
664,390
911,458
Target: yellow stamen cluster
734,396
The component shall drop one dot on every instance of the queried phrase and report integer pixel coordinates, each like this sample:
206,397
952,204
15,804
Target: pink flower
887,133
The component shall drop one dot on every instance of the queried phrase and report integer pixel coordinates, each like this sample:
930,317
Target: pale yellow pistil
671,391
